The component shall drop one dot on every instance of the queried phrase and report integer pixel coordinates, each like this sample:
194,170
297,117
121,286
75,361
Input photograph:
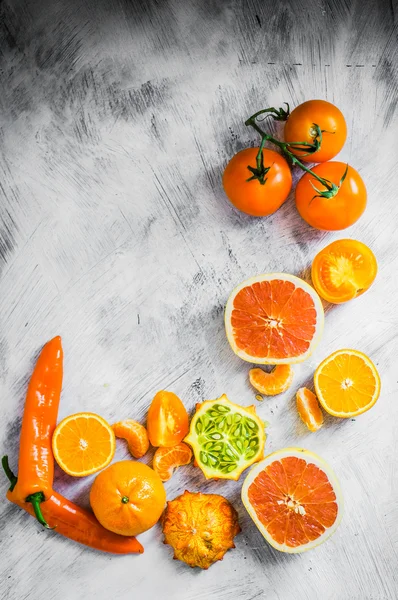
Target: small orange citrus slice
343,270
270,384
83,444
135,435
272,319
309,409
165,460
347,383
294,498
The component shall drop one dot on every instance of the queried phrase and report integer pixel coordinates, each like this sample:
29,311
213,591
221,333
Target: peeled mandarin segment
343,270
273,319
135,435
166,460
294,499
347,383
83,444
270,384
226,438
309,410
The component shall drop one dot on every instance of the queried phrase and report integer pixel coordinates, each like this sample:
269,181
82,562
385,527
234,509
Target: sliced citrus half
274,319
226,438
166,460
343,270
347,383
294,498
308,408
273,383
83,444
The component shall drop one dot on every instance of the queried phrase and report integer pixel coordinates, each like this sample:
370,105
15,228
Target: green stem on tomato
331,189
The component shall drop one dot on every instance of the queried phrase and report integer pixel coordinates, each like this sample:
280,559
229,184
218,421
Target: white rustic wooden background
117,120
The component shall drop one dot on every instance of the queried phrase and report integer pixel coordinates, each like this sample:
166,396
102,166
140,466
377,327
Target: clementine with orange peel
128,497
273,383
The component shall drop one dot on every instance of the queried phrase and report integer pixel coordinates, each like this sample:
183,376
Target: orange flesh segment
273,319
270,384
135,435
308,408
165,460
347,383
294,501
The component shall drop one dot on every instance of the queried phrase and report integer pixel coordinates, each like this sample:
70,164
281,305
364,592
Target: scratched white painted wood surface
117,121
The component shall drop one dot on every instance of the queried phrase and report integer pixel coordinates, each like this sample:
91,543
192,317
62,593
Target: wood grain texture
118,118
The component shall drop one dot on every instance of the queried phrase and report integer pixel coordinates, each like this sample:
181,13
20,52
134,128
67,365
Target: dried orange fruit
128,497
294,498
274,319
309,409
165,460
270,384
83,444
200,528
167,422
347,383
343,270
135,435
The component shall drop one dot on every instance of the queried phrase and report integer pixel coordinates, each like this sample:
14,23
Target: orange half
83,444
343,270
274,319
347,383
294,498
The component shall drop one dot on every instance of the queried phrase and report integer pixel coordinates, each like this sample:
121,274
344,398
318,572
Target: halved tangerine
275,382
343,270
294,498
273,319
347,383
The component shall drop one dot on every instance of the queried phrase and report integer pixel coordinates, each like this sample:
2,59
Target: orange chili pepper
74,522
36,460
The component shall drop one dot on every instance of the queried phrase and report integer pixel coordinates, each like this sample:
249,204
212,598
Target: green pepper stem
13,478
36,499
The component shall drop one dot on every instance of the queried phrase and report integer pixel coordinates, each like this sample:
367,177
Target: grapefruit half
294,498
274,319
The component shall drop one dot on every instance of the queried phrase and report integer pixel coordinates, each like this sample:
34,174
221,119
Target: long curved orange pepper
36,460
74,522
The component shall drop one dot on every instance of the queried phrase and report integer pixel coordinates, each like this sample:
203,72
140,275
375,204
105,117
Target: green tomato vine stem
259,173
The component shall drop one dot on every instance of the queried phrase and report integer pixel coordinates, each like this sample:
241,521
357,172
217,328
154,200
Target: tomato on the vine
339,211
301,127
246,192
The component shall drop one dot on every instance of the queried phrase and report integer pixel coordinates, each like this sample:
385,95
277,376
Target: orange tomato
300,128
343,270
128,497
167,422
252,197
335,213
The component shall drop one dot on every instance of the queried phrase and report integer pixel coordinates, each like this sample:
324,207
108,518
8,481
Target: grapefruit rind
269,360
238,441
322,400
309,457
